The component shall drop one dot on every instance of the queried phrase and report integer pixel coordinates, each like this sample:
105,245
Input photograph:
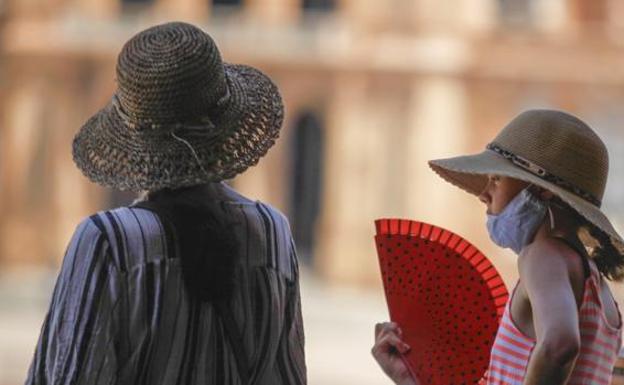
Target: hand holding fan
445,295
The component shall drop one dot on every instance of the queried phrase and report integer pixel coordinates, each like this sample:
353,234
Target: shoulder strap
222,309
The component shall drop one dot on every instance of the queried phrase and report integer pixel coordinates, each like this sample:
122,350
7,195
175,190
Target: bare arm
544,271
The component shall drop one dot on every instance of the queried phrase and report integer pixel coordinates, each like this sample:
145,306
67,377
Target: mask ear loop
552,218
534,189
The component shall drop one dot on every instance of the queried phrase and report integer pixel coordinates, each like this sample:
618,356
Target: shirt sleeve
77,340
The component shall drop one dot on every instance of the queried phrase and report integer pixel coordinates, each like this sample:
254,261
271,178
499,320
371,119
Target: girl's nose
485,195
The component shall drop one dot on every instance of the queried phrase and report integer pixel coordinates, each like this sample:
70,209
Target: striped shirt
600,343
120,313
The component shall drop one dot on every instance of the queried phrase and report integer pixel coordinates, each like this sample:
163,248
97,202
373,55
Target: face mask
516,225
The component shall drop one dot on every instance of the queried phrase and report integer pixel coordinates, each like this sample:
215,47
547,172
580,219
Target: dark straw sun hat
551,149
180,116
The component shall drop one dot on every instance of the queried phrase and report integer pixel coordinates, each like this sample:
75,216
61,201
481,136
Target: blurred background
372,90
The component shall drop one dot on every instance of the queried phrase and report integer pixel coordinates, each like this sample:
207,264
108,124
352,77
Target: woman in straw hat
542,180
194,283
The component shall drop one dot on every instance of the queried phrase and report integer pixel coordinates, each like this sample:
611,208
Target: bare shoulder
552,255
542,251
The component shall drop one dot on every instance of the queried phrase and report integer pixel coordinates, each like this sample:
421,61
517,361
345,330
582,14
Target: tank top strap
595,273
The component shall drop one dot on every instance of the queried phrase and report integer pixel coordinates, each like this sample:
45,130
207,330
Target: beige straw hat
551,149
180,116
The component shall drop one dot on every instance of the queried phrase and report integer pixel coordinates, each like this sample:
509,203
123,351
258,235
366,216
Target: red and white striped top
600,343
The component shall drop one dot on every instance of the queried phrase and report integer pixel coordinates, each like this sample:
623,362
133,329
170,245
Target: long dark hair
200,232
602,250
609,259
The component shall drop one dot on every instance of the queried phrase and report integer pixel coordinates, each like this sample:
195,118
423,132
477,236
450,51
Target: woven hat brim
112,154
470,173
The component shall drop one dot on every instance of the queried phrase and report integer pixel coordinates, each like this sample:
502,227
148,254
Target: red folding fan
445,295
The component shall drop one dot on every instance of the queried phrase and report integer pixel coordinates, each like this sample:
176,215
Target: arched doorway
306,184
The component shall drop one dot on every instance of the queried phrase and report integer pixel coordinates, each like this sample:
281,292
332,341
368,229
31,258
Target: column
21,143
477,16
100,9
438,128
353,160
72,195
552,16
187,10
274,12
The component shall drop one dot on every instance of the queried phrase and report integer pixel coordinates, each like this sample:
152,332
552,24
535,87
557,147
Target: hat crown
169,73
560,143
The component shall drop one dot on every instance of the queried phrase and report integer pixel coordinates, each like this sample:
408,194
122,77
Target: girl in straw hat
194,283
542,180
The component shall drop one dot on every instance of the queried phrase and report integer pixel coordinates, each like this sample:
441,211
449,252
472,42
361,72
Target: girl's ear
546,194
542,193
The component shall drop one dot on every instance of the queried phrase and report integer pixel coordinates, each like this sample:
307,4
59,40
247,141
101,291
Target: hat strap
543,174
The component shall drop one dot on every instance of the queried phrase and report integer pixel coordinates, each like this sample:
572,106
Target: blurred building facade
372,90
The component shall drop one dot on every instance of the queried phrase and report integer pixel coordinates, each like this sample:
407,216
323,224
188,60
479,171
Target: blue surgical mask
516,225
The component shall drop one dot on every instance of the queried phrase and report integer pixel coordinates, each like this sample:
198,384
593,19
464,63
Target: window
318,5
136,2
516,13
227,3
225,9
132,8
306,182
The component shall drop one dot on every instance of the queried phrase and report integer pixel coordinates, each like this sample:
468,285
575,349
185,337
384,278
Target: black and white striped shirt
120,313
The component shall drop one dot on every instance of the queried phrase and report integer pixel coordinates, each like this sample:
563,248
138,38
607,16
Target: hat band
204,123
543,174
